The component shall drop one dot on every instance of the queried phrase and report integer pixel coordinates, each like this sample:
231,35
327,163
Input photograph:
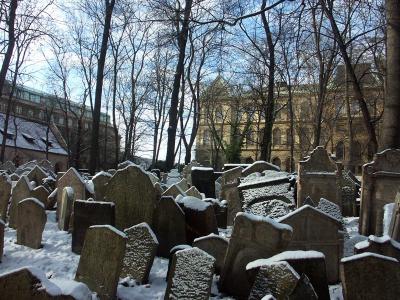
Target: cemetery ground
248,232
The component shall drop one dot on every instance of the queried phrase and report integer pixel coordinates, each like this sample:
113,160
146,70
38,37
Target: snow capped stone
265,219
367,254
111,228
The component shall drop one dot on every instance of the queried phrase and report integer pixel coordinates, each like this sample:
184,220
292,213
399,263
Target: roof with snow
30,135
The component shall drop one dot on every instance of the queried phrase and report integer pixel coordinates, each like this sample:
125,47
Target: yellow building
231,117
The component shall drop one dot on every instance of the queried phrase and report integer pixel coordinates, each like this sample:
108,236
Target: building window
18,109
61,121
86,125
276,137
30,113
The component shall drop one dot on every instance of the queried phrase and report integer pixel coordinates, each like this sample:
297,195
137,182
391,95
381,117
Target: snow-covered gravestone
276,278
191,275
101,260
259,166
99,181
2,225
369,276
37,174
173,191
40,193
318,178
230,192
380,245
5,193
203,179
73,179
134,196
380,183
199,216
311,263
67,204
169,225
9,166
141,248
31,221
252,238
89,213
20,191
193,192
316,230
214,245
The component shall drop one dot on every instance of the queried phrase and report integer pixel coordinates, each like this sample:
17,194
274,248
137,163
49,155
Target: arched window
277,162
276,137
340,151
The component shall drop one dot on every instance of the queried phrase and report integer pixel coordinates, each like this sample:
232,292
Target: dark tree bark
391,115
173,111
94,149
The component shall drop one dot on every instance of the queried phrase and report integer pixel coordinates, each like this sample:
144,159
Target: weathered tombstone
31,221
318,178
349,190
52,199
330,208
259,166
393,229
380,183
311,263
214,245
5,193
191,275
67,206
125,164
101,260
193,192
182,184
89,213
187,171
171,255
316,230
199,216
173,191
253,237
303,290
37,174
203,180
99,181
9,166
46,165
369,276
230,192
73,179
141,248
276,278
41,193
169,225
2,225
20,191
380,245
29,283
220,211
134,196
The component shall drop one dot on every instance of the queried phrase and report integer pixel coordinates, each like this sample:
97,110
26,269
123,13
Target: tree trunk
94,149
173,111
391,115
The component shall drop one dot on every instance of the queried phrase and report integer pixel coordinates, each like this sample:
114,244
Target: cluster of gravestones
283,245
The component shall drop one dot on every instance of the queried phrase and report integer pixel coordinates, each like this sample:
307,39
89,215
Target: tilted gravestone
380,245
318,178
253,237
52,199
20,191
31,221
316,230
203,179
193,192
191,275
134,196
67,206
101,260
40,193
29,283
173,191
73,179
99,181
141,248
2,225
369,276
89,213
214,245
5,193
199,217
37,174
169,225
380,184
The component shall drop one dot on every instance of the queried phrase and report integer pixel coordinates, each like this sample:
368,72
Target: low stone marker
52,199
20,191
173,191
253,237
369,276
141,248
191,275
214,245
67,205
169,225
37,174
31,221
89,213
5,193
101,260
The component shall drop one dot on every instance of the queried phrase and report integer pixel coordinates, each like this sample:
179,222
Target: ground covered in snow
59,263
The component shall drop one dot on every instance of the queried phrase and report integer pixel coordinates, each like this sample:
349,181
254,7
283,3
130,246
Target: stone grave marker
5,194
99,181
2,225
20,191
52,199
173,191
203,180
193,192
214,245
41,193
67,206
381,245
259,166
